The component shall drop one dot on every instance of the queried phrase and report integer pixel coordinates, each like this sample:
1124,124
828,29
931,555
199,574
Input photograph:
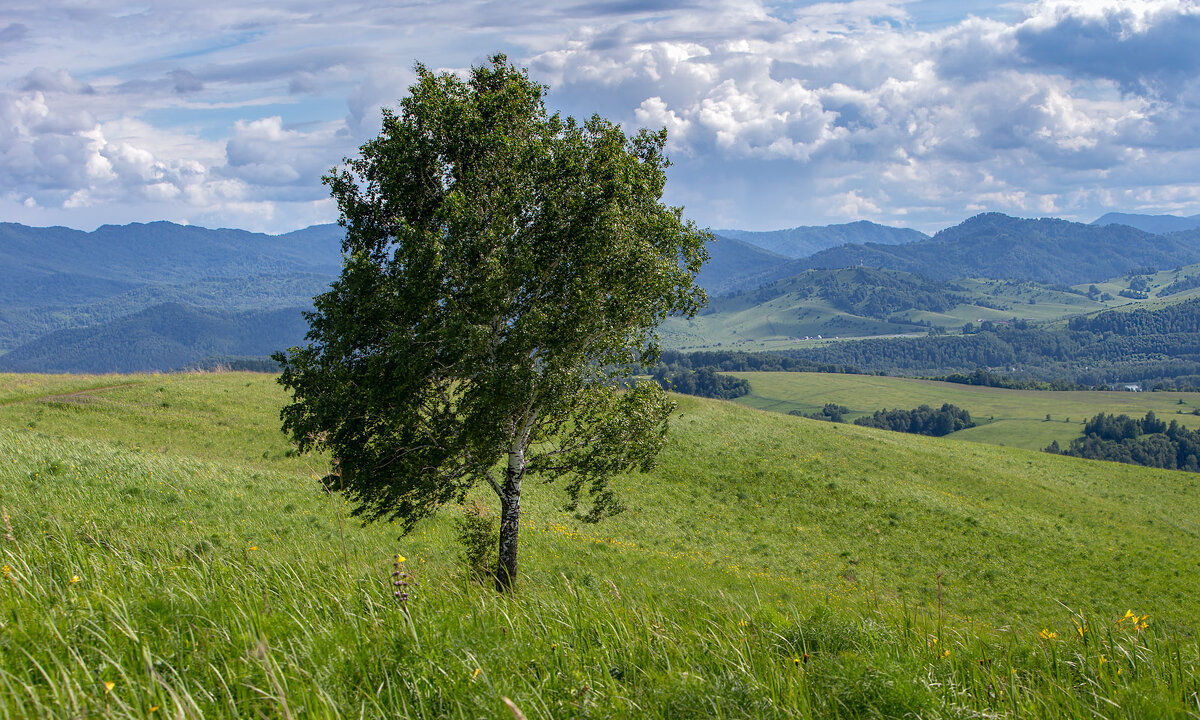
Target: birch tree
504,268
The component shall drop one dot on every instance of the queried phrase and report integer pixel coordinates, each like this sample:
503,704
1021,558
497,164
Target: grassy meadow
166,555
1015,418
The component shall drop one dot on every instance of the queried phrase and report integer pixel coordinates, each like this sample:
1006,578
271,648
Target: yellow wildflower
153,708
253,547
946,654
74,579
399,558
1047,634
476,673
7,571
108,686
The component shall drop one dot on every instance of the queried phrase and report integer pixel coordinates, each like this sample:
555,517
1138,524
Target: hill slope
998,246
771,567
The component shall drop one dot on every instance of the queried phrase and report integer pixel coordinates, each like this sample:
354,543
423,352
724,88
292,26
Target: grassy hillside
1015,418
771,566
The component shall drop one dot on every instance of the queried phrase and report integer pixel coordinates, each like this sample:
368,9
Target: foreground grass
1016,418
236,588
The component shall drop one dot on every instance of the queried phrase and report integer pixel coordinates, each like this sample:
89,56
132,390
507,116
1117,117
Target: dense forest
1181,317
984,378
741,361
1147,441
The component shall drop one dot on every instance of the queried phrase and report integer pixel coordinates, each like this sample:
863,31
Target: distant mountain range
993,245
803,241
1158,224
160,296
61,279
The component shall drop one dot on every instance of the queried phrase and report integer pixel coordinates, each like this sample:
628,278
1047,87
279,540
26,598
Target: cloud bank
778,116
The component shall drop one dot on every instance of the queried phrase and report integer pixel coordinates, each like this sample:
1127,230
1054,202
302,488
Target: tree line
922,420
1146,441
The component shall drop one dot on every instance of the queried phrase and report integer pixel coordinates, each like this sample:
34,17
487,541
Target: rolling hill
863,302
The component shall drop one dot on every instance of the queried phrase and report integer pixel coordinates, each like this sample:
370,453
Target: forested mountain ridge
166,252
993,245
162,337
805,240
734,265
57,278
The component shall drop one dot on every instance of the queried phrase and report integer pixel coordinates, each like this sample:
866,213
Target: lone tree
504,269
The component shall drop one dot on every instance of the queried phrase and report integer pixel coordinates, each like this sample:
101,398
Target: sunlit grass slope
212,577
1006,417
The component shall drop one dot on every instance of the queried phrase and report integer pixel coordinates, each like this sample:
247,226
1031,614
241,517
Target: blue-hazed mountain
1158,224
993,245
734,266
60,279
163,337
140,253
803,241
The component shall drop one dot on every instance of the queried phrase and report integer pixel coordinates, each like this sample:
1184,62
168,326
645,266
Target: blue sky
780,114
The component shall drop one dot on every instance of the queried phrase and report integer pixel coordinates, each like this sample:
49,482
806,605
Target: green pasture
1016,418
170,557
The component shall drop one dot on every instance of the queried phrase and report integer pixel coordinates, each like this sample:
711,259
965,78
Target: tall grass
144,585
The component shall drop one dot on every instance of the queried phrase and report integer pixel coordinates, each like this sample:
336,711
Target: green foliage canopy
503,268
